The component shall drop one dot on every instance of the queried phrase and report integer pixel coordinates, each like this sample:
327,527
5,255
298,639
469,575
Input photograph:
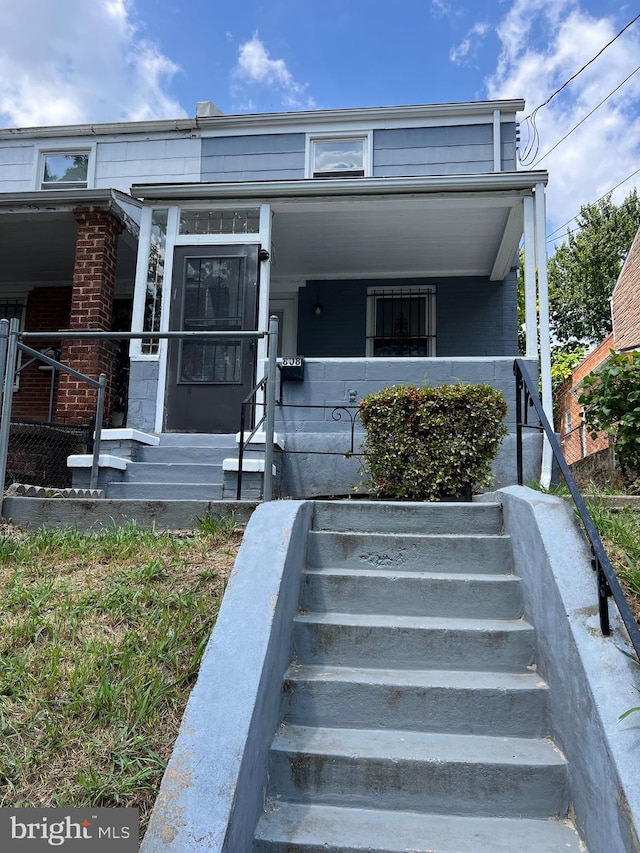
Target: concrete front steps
183,466
413,717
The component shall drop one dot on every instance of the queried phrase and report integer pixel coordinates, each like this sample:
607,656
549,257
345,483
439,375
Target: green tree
584,270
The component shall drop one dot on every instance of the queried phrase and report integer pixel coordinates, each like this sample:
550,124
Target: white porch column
530,307
265,287
545,336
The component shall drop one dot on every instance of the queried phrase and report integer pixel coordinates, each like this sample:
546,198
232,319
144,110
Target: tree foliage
583,271
611,403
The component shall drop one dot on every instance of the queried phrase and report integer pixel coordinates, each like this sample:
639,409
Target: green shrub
611,401
426,444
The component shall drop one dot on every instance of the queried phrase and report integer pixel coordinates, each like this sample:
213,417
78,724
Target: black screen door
214,289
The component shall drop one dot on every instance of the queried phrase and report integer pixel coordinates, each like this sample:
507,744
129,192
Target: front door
213,289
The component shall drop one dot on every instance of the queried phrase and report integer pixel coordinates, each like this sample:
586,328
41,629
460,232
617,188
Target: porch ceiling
461,235
38,247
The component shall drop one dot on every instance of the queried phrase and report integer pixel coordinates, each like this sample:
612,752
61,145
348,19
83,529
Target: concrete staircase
413,717
182,466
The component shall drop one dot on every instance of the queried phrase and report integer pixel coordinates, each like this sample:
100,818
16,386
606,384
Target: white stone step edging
248,466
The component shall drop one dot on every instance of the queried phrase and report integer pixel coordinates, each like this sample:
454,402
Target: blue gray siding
264,157
17,167
474,317
457,150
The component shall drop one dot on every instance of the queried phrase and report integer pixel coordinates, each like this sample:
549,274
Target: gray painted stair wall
181,467
413,717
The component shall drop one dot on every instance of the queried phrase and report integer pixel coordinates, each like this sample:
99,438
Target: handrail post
7,399
240,452
267,491
516,370
4,340
95,464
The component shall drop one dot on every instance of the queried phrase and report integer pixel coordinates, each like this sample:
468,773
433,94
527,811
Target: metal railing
607,582
11,342
266,386
10,346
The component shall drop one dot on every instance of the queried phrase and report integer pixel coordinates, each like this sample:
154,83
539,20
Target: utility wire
550,237
533,145
575,127
586,65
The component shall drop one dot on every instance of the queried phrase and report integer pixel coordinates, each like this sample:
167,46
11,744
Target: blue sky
72,61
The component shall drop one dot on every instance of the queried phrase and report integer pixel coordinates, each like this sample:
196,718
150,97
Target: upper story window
339,157
64,169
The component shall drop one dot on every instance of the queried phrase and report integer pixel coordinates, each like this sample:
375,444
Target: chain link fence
37,453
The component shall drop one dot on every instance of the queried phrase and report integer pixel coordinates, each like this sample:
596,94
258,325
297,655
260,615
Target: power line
619,184
575,127
533,146
586,65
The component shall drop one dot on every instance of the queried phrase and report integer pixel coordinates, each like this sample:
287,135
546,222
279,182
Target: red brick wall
575,439
47,309
625,303
91,308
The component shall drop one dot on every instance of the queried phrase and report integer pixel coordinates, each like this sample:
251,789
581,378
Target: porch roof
467,225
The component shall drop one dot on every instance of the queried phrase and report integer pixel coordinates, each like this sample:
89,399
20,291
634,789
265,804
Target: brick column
91,309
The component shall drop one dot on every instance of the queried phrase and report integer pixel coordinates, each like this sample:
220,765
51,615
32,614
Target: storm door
214,289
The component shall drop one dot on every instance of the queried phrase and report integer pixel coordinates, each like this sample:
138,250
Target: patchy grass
101,640
619,530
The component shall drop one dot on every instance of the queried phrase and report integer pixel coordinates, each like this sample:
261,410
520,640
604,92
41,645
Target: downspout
545,335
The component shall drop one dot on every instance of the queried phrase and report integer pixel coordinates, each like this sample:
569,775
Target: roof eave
507,108
488,182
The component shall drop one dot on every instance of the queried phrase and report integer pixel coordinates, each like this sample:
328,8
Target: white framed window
401,322
339,156
65,169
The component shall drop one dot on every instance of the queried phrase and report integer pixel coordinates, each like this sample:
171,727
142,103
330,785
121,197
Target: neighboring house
385,240
576,440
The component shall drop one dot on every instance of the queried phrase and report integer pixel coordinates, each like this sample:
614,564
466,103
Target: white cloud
466,52
255,67
544,42
79,61
440,8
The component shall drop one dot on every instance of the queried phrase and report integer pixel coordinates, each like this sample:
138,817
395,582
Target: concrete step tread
417,747
197,439
399,574
437,678
407,517
293,828
384,620
407,539
162,466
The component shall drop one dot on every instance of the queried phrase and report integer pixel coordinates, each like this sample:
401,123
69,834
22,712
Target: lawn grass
619,530
101,640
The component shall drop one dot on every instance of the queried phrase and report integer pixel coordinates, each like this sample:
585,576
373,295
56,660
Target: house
385,240
577,442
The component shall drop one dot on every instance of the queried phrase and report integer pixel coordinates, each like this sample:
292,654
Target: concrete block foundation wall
312,433
143,391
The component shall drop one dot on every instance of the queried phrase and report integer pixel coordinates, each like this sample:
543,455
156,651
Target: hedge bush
426,444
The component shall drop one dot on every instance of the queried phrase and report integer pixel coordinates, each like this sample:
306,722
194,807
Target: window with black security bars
401,322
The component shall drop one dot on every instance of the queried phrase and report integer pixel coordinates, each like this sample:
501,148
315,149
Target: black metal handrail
607,582
250,400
